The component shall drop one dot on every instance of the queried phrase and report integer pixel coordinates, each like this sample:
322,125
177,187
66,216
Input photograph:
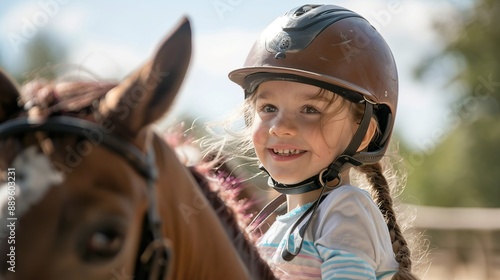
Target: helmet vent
281,43
284,43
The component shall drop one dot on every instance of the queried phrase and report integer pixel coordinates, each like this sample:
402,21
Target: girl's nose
283,125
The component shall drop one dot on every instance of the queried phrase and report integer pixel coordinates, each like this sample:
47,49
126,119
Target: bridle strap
154,260
83,128
155,253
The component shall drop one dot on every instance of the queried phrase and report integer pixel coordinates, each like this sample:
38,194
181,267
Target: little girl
321,91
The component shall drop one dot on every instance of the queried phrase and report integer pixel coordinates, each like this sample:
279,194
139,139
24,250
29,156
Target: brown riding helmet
333,48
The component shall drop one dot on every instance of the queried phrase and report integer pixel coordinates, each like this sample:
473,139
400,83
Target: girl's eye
310,110
268,108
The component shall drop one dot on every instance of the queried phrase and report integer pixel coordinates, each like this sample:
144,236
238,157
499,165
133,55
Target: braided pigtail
382,197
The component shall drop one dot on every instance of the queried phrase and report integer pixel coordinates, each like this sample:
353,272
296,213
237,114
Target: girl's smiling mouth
285,154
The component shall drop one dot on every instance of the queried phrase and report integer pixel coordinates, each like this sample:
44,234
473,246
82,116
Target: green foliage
37,57
43,51
464,169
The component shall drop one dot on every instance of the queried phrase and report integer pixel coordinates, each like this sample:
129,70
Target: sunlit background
447,123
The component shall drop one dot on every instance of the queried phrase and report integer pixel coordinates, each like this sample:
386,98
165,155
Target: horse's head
84,179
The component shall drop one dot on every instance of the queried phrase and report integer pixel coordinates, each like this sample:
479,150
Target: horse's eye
102,245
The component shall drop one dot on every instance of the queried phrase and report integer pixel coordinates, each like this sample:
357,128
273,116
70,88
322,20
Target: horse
90,190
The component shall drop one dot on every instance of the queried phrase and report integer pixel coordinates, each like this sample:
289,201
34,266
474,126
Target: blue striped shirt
347,239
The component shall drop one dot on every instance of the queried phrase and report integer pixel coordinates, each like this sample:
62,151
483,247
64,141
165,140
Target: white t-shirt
347,239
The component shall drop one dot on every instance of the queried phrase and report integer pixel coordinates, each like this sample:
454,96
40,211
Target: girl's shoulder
348,220
345,194
349,202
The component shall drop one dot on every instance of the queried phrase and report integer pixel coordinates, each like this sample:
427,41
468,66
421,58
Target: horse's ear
145,96
9,96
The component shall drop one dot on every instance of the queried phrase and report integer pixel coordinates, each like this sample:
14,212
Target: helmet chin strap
333,170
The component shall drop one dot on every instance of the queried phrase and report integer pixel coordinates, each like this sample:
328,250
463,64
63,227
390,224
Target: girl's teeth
286,152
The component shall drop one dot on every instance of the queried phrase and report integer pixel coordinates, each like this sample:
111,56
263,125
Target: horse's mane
232,218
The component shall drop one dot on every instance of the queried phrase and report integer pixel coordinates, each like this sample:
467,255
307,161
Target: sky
112,38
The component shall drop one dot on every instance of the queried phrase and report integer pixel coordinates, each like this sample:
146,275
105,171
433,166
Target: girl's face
298,130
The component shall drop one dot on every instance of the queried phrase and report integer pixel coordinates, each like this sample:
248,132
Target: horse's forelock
43,98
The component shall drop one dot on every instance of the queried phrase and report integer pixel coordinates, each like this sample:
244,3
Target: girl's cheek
257,123
257,134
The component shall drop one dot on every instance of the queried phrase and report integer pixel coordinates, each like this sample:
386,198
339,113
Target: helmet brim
240,75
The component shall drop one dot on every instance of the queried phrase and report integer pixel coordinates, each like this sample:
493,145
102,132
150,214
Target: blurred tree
464,170
44,51
37,57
